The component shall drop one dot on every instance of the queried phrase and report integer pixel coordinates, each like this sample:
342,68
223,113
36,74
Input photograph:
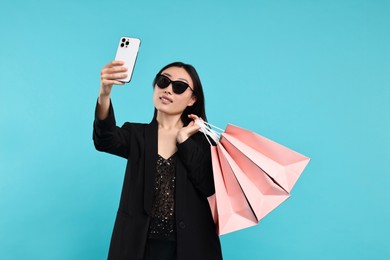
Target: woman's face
168,102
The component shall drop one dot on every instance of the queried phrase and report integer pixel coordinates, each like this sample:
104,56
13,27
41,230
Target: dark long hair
198,108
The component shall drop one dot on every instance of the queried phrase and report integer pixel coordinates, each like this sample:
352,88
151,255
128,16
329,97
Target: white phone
127,51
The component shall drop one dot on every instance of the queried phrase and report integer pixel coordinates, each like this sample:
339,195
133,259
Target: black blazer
196,232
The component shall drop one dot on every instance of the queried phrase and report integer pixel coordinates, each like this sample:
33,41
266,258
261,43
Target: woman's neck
167,122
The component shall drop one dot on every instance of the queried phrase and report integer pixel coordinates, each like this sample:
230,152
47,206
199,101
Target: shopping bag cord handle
205,128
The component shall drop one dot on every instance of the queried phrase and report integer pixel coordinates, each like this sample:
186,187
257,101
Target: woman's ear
192,101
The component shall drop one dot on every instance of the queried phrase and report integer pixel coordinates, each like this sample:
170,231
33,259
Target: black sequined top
162,225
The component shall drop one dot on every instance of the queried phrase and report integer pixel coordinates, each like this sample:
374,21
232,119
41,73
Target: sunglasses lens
162,82
179,87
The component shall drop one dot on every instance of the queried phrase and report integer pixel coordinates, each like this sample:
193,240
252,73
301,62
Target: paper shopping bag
234,211
280,163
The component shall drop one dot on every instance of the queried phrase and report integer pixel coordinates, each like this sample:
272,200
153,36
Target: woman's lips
166,100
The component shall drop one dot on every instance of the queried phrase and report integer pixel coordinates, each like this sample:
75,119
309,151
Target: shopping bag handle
209,131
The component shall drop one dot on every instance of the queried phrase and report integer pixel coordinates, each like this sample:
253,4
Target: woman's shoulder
135,125
138,127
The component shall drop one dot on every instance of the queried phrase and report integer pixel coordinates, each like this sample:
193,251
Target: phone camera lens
122,45
127,43
123,39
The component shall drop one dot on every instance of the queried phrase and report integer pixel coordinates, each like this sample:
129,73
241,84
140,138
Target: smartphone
127,51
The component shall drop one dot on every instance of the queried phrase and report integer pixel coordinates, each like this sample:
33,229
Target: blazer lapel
150,163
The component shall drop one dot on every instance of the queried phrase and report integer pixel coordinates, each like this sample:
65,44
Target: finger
116,82
113,70
112,82
192,116
114,76
115,63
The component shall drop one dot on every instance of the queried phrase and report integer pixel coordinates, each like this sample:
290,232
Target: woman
163,211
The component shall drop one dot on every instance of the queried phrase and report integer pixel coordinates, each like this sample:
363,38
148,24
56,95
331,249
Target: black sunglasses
178,87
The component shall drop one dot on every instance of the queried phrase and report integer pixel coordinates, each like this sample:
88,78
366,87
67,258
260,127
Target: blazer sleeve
196,156
108,137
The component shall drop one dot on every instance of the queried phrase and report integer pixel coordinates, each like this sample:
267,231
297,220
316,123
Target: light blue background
312,75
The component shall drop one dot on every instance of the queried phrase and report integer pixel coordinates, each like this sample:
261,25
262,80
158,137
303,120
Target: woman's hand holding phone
109,76
117,72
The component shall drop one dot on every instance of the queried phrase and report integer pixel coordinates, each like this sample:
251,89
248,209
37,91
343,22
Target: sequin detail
162,225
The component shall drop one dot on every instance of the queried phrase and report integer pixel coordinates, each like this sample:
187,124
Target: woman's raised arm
109,75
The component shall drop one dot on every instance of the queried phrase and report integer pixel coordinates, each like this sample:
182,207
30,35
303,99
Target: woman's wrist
104,96
103,106
181,138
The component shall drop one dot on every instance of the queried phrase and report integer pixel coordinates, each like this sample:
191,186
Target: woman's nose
168,90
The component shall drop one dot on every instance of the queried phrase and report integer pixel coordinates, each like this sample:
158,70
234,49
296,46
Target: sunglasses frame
173,82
